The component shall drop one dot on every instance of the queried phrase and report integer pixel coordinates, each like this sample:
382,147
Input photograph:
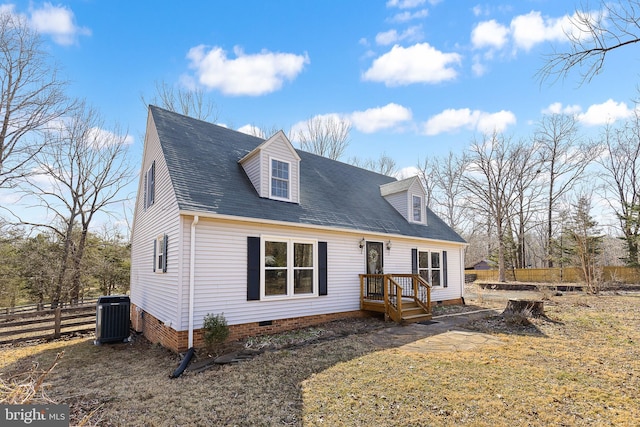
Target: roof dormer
273,168
408,197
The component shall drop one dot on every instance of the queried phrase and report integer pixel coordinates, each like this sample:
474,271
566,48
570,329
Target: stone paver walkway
452,341
444,334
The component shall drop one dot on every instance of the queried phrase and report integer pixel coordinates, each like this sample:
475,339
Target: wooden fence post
57,321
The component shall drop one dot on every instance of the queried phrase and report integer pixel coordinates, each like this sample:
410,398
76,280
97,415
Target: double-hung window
160,246
429,267
417,208
150,185
280,182
290,268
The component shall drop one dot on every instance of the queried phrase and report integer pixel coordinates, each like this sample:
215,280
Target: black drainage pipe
183,365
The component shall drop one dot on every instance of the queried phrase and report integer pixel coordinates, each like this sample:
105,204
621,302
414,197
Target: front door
374,266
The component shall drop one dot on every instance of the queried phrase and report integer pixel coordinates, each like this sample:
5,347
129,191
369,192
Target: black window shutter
152,189
322,268
144,190
414,261
155,254
253,268
445,279
165,252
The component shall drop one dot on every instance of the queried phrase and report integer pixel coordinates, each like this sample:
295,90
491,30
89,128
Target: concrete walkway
444,333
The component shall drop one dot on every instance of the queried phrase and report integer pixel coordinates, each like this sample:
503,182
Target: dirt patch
581,366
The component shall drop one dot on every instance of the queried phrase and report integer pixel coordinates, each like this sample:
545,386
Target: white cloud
526,31
531,29
252,130
251,75
386,38
479,10
478,68
489,34
558,108
411,34
375,119
498,122
101,138
420,63
605,113
407,16
406,4
451,120
408,172
302,126
58,22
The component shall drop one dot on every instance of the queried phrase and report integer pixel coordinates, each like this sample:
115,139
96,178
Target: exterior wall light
389,245
361,244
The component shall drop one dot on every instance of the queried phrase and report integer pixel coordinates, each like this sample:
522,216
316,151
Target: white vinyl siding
400,194
416,190
399,202
156,293
257,166
252,169
280,150
221,271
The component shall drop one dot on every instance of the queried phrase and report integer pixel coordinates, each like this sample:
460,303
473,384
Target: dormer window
417,208
280,179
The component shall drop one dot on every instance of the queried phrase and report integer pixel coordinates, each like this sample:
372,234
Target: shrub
215,329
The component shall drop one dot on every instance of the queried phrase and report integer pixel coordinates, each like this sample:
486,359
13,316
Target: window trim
150,186
160,250
430,269
288,180
291,241
413,211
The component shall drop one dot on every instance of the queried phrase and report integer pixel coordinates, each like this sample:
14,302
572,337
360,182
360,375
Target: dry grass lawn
578,367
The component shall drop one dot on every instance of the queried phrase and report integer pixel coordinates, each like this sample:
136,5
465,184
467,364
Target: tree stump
527,308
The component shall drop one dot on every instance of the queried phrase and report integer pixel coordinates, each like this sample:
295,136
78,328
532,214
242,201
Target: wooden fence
46,324
29,308
615,275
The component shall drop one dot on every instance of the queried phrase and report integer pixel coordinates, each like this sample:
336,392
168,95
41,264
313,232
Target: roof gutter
192,276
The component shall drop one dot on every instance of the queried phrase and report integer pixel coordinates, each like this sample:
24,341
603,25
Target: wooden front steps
403,298
413,313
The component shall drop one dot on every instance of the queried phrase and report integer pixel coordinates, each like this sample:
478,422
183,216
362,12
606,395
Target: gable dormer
273,168
407,197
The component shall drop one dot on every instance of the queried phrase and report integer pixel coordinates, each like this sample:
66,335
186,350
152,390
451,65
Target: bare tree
528,194
621,163
491,181
426,170
385,165
326,136
85,167
592,35
192,103
31,97
565,158
450,193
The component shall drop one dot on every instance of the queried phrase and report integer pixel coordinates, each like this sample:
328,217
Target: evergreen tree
584,243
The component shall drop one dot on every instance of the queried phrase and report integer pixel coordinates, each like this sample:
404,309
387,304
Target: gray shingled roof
203,164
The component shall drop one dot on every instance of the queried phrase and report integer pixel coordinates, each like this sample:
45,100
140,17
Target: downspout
192,283
192,276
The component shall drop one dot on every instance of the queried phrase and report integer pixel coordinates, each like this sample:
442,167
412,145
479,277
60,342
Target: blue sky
416,78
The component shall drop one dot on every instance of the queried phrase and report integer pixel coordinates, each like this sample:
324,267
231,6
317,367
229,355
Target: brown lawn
580,366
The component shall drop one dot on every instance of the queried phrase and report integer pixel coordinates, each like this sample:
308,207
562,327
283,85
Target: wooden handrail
418,289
